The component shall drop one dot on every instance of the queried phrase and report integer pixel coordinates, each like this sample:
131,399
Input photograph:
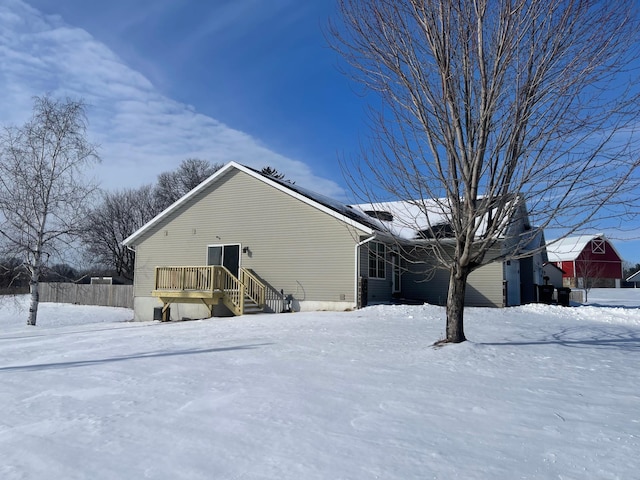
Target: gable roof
336,209
553,265
635,277
569,248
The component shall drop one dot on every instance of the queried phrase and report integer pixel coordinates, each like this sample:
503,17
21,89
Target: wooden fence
84,294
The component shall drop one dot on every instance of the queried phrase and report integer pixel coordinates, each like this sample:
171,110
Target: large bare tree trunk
455,304
487,113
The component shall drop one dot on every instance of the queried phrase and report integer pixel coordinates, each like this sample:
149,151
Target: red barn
587,261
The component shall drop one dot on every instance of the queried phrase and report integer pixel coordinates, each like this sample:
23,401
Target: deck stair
211,285
250,306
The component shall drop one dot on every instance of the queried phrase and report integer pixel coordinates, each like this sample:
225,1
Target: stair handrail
234,290
254,288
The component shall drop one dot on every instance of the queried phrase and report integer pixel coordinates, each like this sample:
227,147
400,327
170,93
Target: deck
209,285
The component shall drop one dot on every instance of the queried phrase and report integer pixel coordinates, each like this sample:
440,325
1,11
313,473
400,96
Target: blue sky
246,80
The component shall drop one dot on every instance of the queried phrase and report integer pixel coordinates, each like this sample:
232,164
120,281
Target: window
598,245
377,264
225,255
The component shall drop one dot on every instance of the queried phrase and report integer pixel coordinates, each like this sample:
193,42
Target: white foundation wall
143,308
316,306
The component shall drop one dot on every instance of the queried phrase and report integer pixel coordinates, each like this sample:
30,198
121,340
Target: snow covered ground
540,392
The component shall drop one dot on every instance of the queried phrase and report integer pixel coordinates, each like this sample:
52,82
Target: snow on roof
408,217
411,219
567,249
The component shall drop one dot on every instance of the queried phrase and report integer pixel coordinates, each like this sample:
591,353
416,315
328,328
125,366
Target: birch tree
43,193
479,103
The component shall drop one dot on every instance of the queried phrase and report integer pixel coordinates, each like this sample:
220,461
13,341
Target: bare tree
589,275
43,195
175,184
114,219
482,104
122,213
13,275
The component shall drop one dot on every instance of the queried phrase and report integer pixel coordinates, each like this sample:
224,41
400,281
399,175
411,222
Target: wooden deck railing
210,281
185,278
255,289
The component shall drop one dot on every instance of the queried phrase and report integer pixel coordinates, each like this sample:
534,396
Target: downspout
357,263
132,249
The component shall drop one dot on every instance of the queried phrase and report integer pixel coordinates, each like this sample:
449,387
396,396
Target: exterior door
511,273
226,255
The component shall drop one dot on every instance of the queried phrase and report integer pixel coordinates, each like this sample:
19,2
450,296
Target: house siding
424,281
379,289
291,245
485,286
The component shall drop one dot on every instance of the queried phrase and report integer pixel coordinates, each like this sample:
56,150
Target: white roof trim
634,278
129,241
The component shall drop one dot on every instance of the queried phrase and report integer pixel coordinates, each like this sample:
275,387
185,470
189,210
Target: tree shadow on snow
580,337
609,305
50,332
136,356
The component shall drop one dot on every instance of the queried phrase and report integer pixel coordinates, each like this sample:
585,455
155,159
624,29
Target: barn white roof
568,249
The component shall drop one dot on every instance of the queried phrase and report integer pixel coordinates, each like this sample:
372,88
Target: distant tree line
14,275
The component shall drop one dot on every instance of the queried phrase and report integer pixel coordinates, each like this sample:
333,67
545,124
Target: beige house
504,280
242,241
298,251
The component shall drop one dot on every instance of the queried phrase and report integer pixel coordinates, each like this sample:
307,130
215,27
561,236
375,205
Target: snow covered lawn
540,392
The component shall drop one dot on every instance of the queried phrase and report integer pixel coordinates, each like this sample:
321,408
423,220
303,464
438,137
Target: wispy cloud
141,131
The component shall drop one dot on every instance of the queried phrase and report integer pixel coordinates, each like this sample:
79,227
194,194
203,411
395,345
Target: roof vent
441,230
380,215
